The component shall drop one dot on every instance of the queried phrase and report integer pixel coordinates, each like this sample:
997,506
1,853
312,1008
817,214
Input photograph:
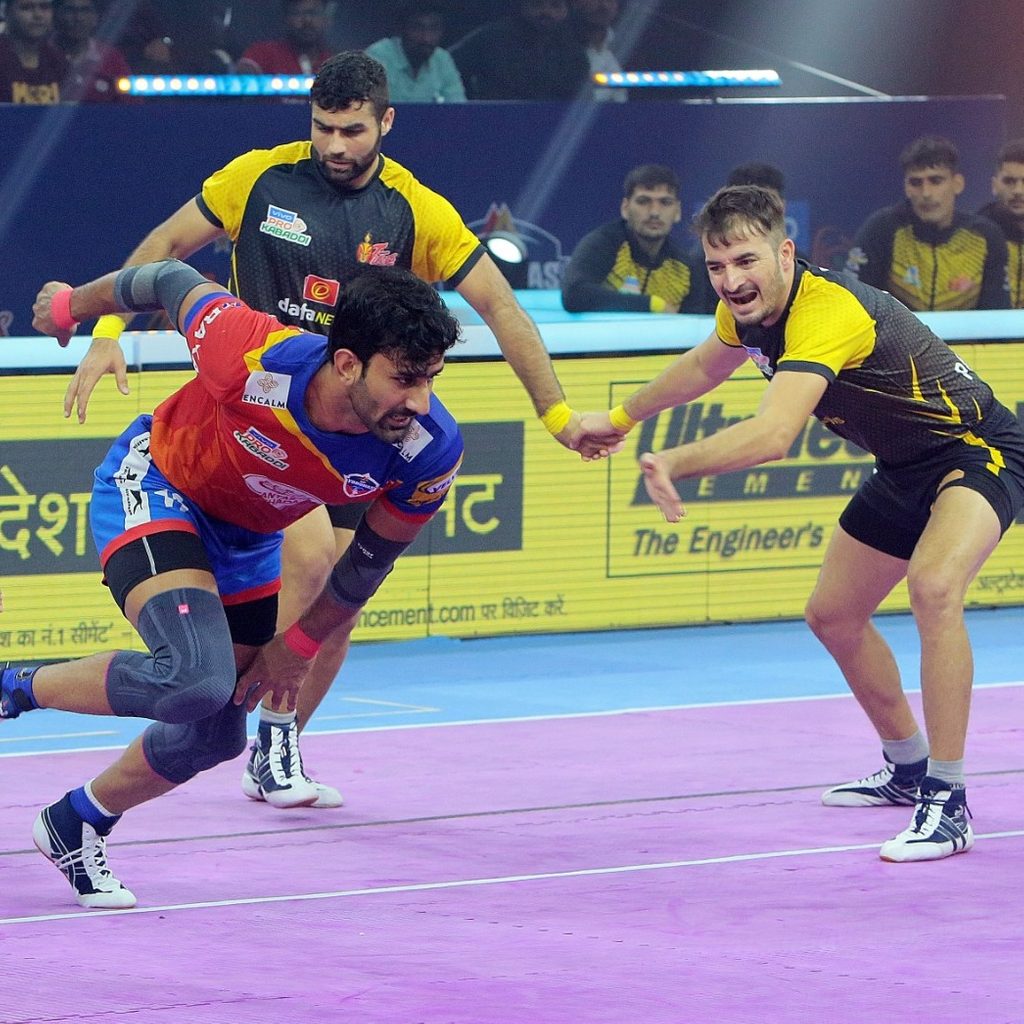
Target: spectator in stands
631,264
302,48
95,66
593,20
419,69
146,41
757,172
760,172
1007,210
926,252
532,54
31,67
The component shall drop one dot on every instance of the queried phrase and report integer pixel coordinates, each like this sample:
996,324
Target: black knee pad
178,752
189,673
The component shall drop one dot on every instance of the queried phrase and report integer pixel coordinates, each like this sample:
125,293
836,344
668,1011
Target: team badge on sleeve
429,491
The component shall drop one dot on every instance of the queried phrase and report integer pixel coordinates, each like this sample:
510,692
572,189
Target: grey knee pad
177,752
189,673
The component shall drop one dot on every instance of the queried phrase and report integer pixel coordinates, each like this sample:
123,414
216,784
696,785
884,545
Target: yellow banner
530,539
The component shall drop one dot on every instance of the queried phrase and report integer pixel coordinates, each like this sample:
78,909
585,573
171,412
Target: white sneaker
80,854
940,826
889,786
274,772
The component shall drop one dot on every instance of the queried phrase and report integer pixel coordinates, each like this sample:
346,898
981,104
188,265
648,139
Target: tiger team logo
376,254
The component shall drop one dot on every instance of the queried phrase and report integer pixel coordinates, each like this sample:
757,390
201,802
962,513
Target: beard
344,176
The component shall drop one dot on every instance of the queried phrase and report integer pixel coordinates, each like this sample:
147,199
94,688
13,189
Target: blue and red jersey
237,440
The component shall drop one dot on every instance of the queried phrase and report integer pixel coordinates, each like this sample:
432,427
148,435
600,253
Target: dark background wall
900,47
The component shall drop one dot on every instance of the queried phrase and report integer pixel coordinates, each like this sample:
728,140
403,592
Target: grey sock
909,751
947,771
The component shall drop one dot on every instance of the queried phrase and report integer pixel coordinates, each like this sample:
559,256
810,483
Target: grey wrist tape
154,286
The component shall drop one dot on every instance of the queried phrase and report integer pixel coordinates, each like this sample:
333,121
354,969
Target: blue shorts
132,499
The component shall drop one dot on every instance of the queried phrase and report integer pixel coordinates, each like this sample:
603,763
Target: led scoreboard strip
173,86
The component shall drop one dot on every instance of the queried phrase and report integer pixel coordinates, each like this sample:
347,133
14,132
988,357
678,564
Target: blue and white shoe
274,772
14,697
940,827
892,785
80,853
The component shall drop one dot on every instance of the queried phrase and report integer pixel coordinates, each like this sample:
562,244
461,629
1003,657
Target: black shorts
891,508
346,517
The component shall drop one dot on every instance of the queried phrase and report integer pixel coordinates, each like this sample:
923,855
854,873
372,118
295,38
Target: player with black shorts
948,483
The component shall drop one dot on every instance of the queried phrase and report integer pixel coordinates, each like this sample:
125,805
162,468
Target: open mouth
744,298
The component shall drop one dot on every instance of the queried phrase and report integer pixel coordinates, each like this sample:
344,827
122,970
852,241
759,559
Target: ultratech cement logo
286,225
819,464
483,510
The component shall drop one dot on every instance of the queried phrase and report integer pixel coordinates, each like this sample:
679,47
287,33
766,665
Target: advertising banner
530,539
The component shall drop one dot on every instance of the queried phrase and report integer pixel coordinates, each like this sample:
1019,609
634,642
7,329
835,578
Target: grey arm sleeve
363,566
153,286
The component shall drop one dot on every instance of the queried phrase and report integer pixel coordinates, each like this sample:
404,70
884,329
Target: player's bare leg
275,772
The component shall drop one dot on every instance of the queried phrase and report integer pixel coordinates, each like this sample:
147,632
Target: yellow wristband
657,304
621,420
557,417
109,326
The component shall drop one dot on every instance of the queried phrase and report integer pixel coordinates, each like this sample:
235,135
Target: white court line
57,736
465,883
537,718
398,708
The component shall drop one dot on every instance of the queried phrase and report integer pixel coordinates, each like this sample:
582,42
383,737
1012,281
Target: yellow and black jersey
925,267
1013,229
895,388
609,270
297,237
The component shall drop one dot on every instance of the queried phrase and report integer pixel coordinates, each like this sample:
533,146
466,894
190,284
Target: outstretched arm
487,291
767,436
184,232
692,374
169,285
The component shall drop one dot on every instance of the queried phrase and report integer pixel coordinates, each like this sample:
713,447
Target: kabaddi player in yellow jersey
949,481
302,217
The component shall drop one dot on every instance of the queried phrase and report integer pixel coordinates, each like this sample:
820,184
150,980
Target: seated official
632,264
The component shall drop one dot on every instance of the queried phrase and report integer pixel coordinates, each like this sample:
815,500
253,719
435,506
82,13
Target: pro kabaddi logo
321,289
286,225
262,447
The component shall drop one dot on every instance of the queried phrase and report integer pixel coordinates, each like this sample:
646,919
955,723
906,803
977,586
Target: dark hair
348,78
1011,152
650,176
757,172
390,310
930,151
410,9
739,209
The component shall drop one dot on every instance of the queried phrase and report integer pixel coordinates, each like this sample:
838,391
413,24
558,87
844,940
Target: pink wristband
60,310
298,642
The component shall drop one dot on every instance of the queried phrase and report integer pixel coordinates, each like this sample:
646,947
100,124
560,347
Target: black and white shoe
274,772
892,785
940,827
80,854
